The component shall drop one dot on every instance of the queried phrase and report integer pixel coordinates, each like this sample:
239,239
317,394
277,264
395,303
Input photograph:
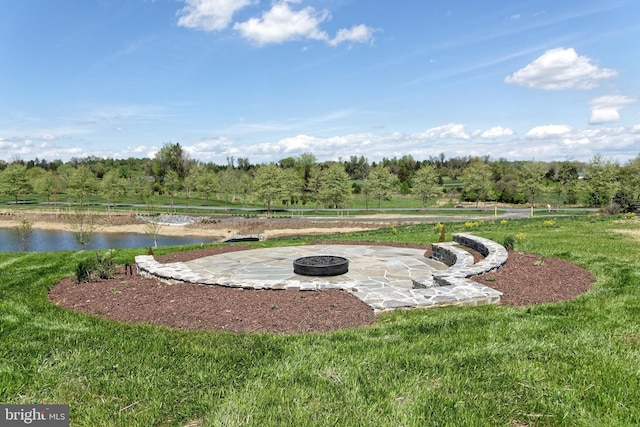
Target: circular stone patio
384,277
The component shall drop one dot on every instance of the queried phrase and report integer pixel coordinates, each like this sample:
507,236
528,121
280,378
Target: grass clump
101,267
509,243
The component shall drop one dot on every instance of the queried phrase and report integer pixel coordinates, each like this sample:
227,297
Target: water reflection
35,240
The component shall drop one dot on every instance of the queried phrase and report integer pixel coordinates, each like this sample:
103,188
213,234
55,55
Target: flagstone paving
383,277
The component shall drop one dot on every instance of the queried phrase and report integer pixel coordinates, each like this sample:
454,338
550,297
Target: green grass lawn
575,363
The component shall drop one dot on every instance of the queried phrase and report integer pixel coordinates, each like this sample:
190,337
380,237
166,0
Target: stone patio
383,277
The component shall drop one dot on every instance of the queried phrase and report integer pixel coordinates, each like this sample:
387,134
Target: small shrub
84,270
105,266
613,209
509,243
443,232
89,270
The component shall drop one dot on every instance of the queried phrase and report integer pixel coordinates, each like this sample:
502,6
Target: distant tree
425,183
207,183
113,187
34,174
314,184
82,184
171,157
506,182
305,162
270,184
244,164
357,167
334,191
567,180
229,182
295,187
287,162
245,185
478,181
171,184
628,195
531,179
13,181
142,186
380,183
601,181
48,184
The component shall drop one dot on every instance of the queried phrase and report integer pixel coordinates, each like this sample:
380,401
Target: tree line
303,181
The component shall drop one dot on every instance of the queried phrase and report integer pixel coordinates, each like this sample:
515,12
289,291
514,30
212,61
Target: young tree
207,183
84,224
478,181
153,228
229,180
171,184
245,185
531,179
113,187
380,183
270,184
425,183
314,184
82,184
142,186
295,186
48,184
171,157
13,181
304,165
566,182
628,195
601,181
334,190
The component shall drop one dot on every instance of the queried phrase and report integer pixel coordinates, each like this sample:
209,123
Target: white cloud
546,131
212,147
496,132
560,69
209,15
356,34
604,109
449,131
281,24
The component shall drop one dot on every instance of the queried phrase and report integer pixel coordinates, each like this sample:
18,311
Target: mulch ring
525,279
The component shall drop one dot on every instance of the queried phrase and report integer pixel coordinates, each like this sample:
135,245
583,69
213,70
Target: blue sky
523,80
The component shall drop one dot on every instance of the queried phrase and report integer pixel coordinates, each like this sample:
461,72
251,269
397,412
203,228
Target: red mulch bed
525,279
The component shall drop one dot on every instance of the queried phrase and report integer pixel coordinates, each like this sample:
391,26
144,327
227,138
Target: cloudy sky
265,80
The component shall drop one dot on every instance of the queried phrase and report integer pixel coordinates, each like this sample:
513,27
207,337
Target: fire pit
321,265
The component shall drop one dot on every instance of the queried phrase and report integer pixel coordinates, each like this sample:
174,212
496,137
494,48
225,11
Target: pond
37,240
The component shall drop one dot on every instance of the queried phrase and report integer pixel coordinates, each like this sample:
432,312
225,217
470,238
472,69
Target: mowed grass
573,363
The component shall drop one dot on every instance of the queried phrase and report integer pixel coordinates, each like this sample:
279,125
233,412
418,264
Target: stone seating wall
460,262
